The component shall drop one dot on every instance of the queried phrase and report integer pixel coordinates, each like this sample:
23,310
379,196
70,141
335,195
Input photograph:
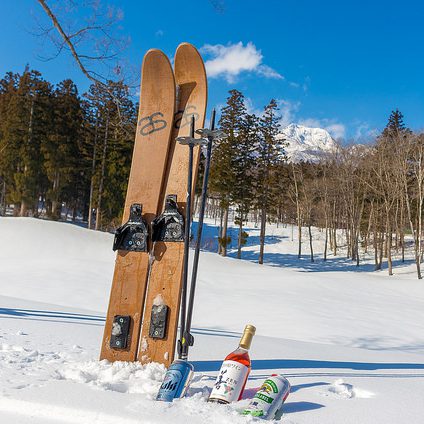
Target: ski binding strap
169,226
132,236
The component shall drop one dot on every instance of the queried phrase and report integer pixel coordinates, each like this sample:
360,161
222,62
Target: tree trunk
310,243
299,237
224,236
389,252
102,177
24,204
56,204
262,237
326,242
334,230
93,171
381,248
240,235
3,199
402,232
221,221
24,208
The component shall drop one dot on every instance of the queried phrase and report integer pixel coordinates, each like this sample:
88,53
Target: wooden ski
145,187
167,268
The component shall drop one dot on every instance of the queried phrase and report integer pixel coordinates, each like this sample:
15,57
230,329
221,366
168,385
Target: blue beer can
176,381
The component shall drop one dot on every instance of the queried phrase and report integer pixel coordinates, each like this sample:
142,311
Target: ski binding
169,226
132,236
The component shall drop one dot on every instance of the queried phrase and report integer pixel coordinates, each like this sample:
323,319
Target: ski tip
158,57
187,46
187,52
154,52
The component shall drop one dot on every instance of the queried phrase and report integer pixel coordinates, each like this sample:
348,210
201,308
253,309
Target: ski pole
190,142
210,134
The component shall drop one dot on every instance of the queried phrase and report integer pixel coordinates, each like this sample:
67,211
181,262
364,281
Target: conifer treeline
63,152
246,165
372,195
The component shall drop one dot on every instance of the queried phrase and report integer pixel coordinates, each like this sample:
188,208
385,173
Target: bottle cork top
246,338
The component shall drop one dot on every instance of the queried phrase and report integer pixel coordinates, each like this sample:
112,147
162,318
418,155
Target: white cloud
251,108
268,72
311,122
364,132
287,111
337,130
233,59
294,84
159,33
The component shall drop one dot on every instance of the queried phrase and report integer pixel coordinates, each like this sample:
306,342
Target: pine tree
62,155
29,114
243,170
270,155
111,148
54,147
395,127
9,156
222,176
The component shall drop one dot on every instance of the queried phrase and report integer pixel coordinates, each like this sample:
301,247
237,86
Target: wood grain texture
147,177
167,269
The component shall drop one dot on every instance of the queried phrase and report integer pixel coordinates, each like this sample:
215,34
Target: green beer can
269,399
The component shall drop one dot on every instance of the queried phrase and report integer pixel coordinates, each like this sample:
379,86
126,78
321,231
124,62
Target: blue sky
338,65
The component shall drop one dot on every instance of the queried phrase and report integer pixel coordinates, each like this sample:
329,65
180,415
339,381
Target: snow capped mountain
306,144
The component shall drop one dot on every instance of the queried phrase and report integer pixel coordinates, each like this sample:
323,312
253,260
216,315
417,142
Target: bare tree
92,41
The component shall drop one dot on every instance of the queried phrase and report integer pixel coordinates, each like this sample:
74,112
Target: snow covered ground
350,341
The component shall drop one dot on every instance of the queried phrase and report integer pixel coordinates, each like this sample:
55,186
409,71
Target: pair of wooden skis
142,317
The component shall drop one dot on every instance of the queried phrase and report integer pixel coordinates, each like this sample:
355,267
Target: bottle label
269,398
230,381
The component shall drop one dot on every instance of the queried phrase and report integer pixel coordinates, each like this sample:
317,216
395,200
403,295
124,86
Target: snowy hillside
350,342
306,144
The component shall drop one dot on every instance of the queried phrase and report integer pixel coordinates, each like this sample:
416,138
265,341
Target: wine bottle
234,371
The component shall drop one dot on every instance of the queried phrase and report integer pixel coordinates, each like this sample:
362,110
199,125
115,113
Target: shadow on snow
266,364
39,315
285,260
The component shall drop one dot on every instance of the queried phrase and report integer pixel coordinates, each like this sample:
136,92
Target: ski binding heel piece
169,226
132,235
120,332
158,319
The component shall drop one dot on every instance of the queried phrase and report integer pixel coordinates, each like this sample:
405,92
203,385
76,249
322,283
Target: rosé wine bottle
234,371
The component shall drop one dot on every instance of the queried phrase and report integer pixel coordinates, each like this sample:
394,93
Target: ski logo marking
153,123
183,117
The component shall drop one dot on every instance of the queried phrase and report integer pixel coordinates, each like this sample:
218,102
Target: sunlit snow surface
350,341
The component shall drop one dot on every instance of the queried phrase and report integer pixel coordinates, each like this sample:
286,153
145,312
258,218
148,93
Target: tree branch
67,41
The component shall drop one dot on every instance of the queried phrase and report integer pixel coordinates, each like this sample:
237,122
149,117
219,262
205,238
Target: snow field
350,342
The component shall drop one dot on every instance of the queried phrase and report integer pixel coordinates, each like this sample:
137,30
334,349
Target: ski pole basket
169,226
132,236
